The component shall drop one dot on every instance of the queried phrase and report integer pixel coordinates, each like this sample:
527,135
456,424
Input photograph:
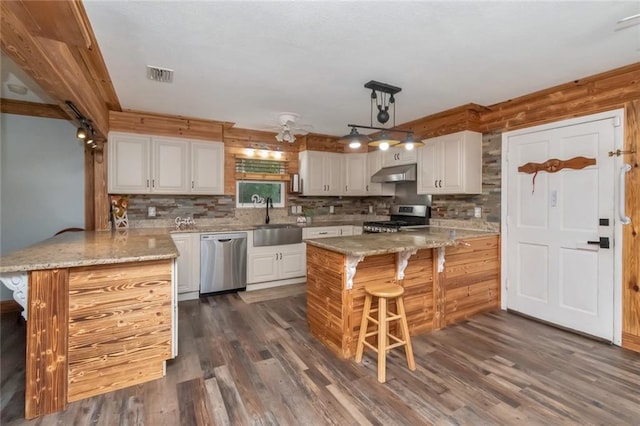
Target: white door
451,173
207,167
355,174
129,165
292,261
429,162
312,173
170,174
333,172
553,272
262,266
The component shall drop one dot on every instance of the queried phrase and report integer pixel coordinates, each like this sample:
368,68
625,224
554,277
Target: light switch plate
151,211
477,212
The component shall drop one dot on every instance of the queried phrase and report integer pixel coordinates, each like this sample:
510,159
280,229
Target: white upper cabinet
321,173
451,164
140,164
170,172
398,156
207,168
129,164
356,178
374,164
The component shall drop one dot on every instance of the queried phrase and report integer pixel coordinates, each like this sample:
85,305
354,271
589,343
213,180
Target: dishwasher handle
223,238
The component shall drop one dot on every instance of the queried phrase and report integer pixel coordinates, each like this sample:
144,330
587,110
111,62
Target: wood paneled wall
166,125
465,117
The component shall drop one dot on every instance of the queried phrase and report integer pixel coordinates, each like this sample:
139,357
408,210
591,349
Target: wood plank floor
242,364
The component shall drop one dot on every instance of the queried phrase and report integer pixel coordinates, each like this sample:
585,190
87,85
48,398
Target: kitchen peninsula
100,310
448,275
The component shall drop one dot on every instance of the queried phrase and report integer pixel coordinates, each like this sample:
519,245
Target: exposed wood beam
64,60
33,109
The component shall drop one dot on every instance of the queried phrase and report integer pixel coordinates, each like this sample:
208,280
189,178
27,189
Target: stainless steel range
401,215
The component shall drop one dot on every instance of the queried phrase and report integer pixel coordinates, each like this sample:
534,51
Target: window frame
276,204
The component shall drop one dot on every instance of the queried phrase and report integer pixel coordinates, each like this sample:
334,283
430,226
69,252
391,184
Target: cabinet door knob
147,183
191,184
367,188
153,183
440,183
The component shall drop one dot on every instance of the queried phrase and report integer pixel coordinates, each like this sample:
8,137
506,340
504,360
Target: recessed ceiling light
17,88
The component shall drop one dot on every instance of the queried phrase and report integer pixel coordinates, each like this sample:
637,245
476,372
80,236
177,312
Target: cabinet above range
451,164
143,164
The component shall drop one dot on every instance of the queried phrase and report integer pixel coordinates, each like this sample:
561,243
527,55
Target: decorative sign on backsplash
257,200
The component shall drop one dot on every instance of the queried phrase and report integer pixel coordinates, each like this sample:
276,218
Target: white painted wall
41,181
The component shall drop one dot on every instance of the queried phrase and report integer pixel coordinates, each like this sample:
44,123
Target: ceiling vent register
162,75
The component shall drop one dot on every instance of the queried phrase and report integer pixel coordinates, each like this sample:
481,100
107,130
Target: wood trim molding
630,234
32,109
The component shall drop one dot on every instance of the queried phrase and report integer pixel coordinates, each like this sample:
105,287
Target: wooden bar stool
384,292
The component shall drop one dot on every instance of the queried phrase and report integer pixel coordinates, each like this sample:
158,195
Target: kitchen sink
276,235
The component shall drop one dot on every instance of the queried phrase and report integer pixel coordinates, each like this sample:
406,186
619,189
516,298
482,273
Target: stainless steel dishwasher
223,262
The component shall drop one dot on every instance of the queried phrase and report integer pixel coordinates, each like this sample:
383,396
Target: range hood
393,174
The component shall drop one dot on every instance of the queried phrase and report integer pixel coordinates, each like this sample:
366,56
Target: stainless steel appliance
394,174
223,262
401,215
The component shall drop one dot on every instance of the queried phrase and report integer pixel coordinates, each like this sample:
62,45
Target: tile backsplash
223,207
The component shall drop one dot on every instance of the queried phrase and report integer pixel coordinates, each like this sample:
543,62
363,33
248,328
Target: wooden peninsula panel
469,284
46,366
471,279
119,326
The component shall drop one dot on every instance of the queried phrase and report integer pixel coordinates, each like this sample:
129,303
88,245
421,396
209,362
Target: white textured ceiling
247,61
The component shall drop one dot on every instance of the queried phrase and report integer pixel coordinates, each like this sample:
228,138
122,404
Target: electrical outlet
151,211
331,210
477,212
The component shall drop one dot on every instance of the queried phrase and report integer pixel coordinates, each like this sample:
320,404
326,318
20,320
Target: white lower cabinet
188,264
275,263
330,231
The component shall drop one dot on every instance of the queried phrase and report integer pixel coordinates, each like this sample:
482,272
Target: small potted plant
308,214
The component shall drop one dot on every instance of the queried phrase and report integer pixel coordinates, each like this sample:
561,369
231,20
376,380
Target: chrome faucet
267,202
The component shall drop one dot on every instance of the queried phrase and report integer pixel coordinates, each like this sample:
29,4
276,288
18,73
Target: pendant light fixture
383,98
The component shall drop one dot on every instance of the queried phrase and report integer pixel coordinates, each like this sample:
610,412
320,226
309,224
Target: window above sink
251,193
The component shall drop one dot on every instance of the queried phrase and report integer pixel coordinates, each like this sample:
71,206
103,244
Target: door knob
603,242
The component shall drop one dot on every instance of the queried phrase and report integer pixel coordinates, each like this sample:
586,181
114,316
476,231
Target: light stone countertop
89,248
407,239
240,227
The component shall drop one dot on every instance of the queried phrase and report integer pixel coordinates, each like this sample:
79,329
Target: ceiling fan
289,127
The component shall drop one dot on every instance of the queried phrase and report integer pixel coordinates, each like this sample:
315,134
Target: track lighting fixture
81,133
382,97
85,131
